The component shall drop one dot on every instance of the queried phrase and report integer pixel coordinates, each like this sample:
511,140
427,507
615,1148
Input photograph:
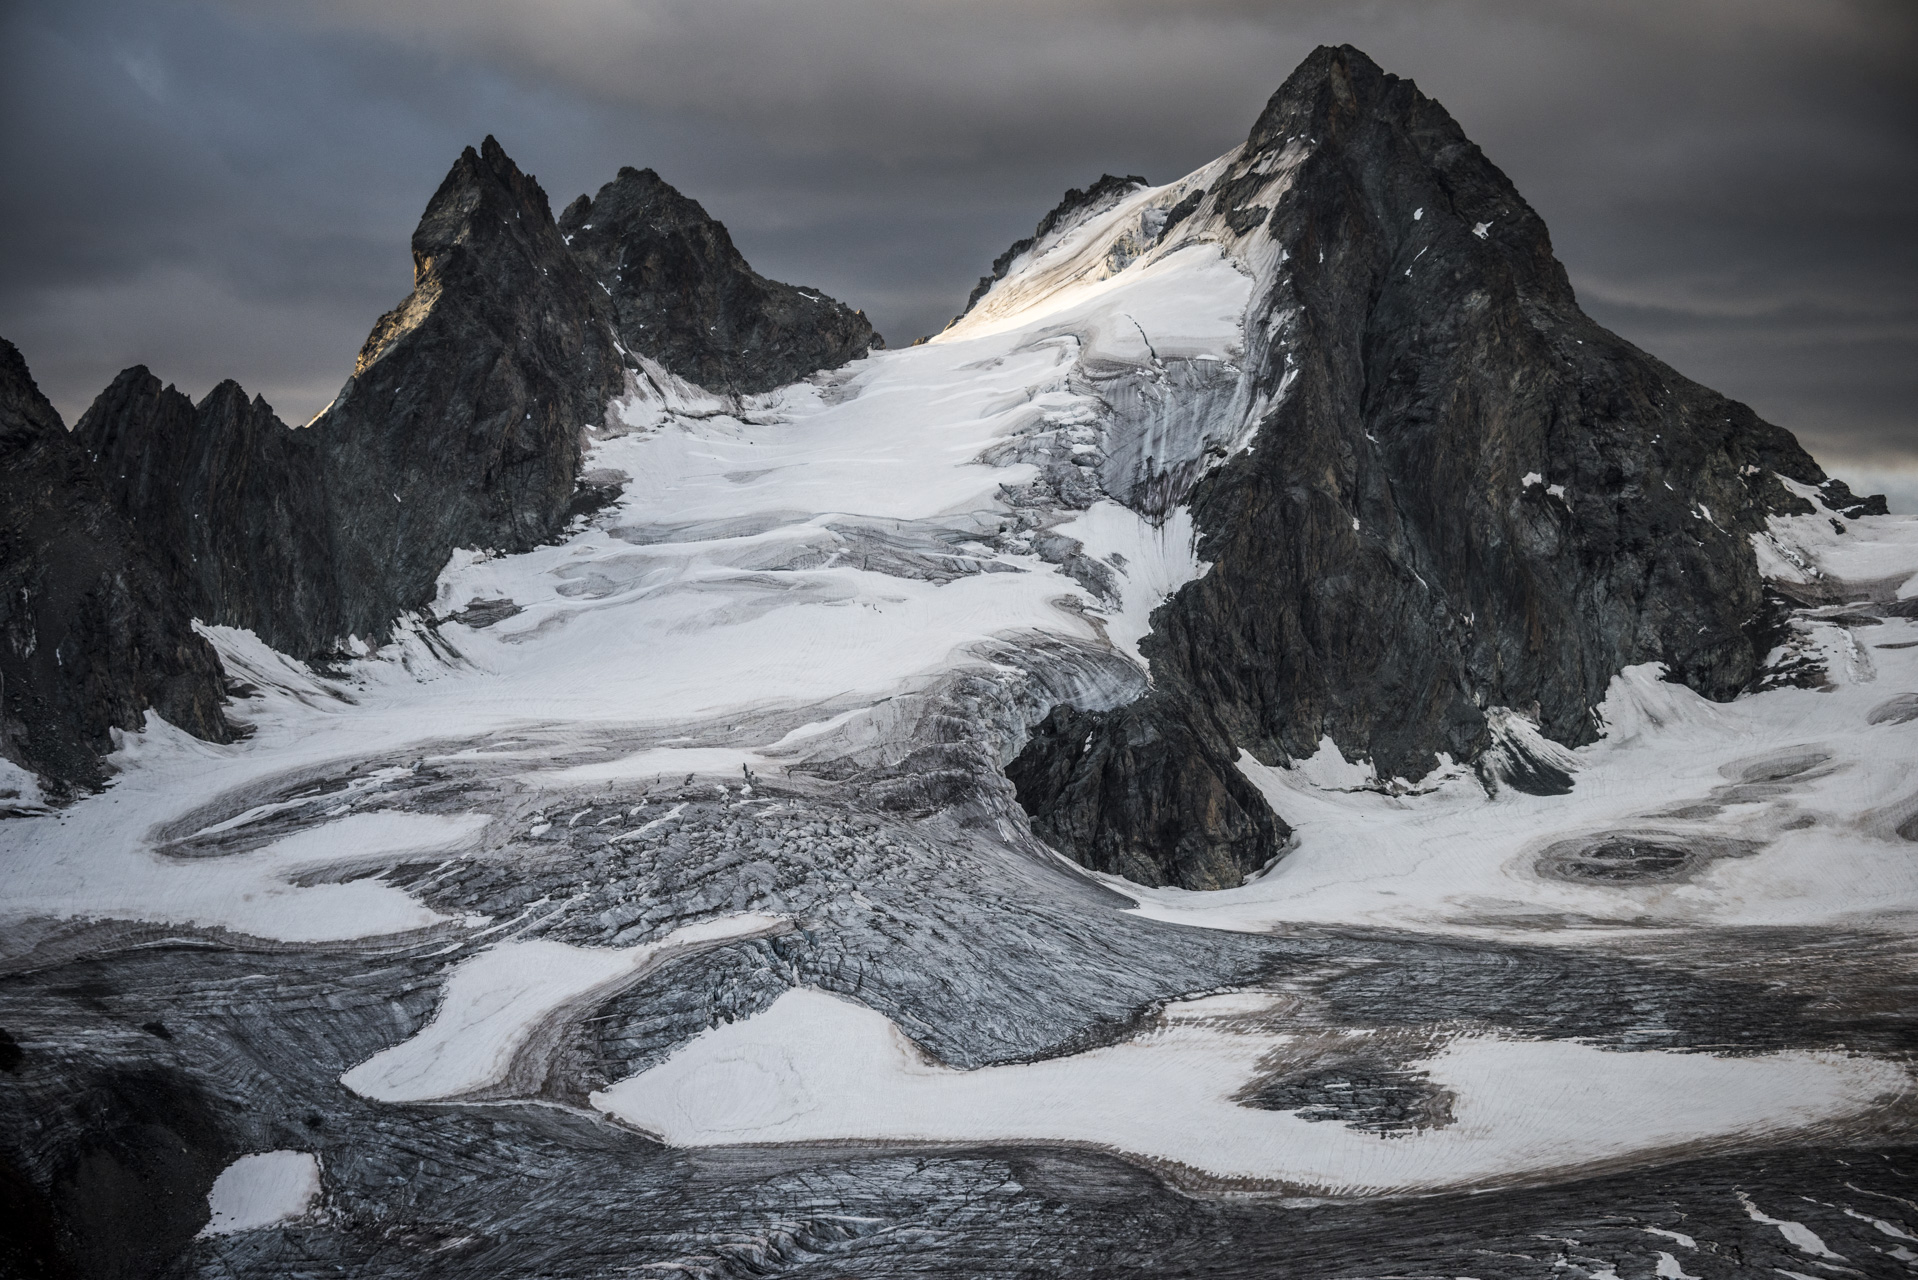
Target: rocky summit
91,637
1465,495
1271,746
684,296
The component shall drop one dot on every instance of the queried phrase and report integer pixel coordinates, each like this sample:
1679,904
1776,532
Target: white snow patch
1152,562
262,1190
496,1002
19,790
1797,1234
249,893
1327,768
1669,1269
815,1067
1883,1227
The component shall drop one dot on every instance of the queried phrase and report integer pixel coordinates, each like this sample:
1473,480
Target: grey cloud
1732,185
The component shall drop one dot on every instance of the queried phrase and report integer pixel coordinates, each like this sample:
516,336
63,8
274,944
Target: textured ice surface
496,1002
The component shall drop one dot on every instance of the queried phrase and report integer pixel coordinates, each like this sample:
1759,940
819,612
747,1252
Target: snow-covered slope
696,820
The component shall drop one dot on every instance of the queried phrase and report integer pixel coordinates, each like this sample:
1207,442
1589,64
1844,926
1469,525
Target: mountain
91,639
1464,495
696,893
234,504
463,421
684,296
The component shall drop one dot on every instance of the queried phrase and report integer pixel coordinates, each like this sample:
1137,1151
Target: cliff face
234,503
92,635
684,295
1462,495
461,426
463,422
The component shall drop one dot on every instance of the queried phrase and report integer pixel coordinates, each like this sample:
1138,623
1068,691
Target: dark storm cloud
226,189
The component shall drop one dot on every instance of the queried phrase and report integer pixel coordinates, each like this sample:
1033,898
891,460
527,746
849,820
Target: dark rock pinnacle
91,634
683,295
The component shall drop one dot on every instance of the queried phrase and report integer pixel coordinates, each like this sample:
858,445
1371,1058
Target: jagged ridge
683,295
1074,201
91,638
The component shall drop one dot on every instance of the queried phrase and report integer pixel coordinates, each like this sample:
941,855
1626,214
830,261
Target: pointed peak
228,397
1328,89
495,157
484,179
26,414
640,194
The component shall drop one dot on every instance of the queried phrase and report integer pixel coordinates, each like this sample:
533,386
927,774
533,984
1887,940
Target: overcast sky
225,188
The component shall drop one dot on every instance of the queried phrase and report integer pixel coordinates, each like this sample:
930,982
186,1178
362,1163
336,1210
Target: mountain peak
685,296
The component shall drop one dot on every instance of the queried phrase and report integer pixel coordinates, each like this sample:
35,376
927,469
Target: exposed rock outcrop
464,419
1461,495
92,635
684,296
234,503
462,426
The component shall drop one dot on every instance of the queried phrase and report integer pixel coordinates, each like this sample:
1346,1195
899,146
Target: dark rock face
464,420
684,296
92,634
461,426
1469,496
233,501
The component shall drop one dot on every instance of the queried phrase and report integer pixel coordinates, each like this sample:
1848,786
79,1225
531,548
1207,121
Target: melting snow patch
1797,1234
816,1067
261,1190
1883,1226
496,1003
1668,1268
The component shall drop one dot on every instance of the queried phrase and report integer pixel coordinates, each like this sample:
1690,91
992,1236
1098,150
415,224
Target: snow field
815,1067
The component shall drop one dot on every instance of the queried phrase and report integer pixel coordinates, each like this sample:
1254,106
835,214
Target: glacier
657,901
